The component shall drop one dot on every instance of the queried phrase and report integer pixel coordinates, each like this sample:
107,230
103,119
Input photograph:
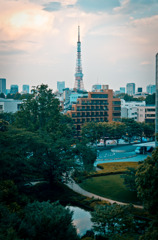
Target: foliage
150,99
2,95
16,146
151,232
129,179
90,132
106,130
113,219
40,115
47,221
147,182
149,130
116,130
10,197
86,155
8,117
133,128
38,220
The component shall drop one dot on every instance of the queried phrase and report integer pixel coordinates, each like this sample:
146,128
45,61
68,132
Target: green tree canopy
38,221
113,219
150,99
147,182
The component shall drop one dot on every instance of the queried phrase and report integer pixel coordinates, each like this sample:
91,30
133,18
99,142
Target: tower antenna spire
78,33
78,74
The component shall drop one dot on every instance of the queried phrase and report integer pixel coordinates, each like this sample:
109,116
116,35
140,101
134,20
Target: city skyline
38,42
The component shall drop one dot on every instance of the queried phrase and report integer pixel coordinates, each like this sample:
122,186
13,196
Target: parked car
143,149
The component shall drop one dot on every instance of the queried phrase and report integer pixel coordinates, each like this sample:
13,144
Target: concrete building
156,81
14,89
97,107
9,105
3,85
139,90
96,87
26,88
130,88
129,109
61,86
151,89
122,89
146,114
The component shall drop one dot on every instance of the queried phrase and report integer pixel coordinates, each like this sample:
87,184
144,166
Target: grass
115,167
110,186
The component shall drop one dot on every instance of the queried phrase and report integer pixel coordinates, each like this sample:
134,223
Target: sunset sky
38,38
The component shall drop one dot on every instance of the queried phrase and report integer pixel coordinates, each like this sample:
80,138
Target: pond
81,220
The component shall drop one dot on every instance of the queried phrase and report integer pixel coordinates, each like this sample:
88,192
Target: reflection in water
81,220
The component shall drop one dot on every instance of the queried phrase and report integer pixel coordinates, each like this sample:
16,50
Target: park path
76,188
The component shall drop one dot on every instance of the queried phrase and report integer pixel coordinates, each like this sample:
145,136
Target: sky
38,42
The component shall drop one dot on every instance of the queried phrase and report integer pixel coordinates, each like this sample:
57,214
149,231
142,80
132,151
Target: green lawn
110,186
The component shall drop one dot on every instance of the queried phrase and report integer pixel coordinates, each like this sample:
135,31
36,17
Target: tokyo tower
79,74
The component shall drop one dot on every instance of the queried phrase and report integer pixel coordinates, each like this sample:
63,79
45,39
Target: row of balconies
96,103
83,120
89,114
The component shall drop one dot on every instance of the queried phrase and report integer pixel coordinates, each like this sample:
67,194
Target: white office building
9,105
129,109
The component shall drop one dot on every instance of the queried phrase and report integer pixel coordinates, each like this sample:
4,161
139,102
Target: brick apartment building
97,107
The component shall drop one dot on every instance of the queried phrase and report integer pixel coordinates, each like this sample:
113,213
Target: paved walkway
76,188
106,156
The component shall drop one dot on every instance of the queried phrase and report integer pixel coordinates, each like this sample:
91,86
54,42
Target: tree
147,182
133,128
86,154
116,130
129,179
18,148
150,99
41,115
91,132
47,221
149,130
38,221
113,219
2,95
8,117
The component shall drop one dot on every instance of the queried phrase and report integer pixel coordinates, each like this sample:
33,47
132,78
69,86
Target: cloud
145,63
97,5
52,6
138,8
12,52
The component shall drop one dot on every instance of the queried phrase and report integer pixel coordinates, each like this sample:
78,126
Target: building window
99,95
116,102
1,108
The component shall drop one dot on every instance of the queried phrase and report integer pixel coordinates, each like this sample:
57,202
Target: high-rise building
151,89
61,86
3,85
130,88
122,89
156,115
14,89
139,89
78,74
25,88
